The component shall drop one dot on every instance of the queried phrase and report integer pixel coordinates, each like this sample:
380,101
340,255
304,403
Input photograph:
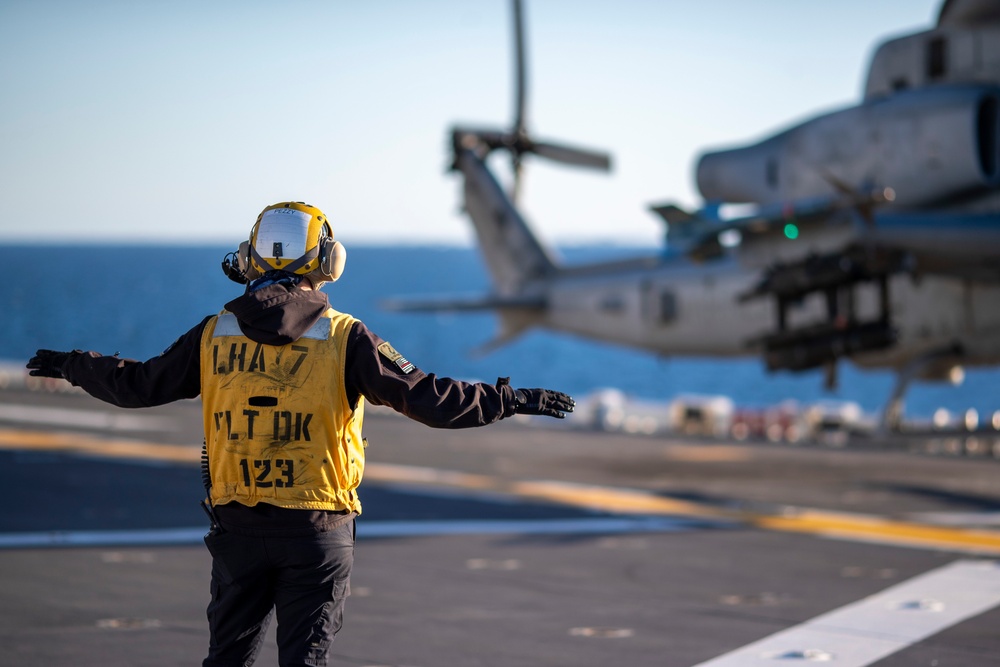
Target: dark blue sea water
137,299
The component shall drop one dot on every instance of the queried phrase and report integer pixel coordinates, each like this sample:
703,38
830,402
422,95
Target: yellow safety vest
278,426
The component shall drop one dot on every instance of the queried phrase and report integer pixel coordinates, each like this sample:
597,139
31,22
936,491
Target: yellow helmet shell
285,234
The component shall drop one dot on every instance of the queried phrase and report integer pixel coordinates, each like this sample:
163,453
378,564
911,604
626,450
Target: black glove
48,363
543,402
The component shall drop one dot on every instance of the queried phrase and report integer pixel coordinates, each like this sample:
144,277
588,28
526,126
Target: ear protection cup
243,259
333,257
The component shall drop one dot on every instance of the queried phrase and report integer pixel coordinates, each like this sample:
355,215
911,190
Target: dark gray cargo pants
305,580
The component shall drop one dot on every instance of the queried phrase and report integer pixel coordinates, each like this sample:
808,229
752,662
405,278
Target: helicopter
873,235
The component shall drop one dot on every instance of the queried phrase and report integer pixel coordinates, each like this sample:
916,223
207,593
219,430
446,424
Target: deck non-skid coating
515,546
605,499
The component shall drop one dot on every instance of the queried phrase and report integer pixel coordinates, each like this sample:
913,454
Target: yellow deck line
93,446
630,501
858,527
876,529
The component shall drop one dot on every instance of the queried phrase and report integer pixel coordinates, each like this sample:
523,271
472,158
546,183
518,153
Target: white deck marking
89,419
366,529
866,631
93,538
524,527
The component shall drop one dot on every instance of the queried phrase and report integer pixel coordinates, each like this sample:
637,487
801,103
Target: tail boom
514,256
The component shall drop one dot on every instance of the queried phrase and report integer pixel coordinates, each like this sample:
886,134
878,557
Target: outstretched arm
384,377
171,376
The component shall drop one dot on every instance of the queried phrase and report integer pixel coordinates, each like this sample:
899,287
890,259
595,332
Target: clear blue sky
126,120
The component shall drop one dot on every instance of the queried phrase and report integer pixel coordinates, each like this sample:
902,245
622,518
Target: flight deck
516,544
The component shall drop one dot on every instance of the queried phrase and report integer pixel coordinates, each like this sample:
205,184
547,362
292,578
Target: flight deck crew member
283,379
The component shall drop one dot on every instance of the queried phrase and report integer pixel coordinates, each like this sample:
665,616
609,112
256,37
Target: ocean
137,299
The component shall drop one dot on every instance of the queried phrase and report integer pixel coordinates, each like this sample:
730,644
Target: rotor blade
862,205
837,184
575,156
520,78
516,166
865,199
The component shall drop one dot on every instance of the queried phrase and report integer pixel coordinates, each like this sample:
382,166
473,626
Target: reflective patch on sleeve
389,353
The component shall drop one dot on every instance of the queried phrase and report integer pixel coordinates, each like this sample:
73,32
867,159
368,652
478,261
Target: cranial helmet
292,237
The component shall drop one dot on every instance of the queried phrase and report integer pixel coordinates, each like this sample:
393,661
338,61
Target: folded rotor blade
575,156
520,85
